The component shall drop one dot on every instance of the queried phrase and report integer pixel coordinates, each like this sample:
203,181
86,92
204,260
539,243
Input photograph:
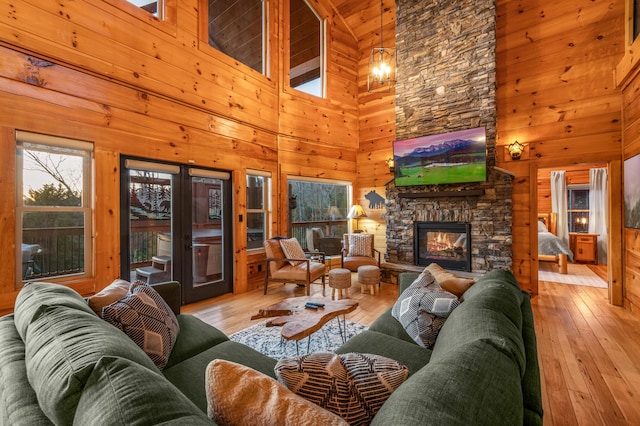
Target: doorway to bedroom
572,209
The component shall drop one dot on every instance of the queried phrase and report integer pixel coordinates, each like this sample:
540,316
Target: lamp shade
356,212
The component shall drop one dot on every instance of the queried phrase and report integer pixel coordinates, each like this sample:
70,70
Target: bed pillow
449,281
292,250
360,245
147,319
108,295
423,308
542,227
353,385
239,395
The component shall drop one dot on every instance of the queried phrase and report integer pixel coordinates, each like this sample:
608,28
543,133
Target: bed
550,247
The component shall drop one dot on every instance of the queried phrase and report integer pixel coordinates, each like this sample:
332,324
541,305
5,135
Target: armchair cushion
360,245
292,250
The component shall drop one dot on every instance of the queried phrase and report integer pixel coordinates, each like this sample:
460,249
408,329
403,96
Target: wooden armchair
298,267
359,250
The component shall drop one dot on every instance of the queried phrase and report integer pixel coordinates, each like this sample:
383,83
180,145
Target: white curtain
559,203
598,210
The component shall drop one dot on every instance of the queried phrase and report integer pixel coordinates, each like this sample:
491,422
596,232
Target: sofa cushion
239,395
371,342
189,375
195,336
449,281
353,385
292,250
475,384
108,295
35,297
423,308
18,400
388,325
490,312
147,319
121,392
61,349
360,245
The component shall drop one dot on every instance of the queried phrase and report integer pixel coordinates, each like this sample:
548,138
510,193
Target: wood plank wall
377,117
103,72
556,94
628,78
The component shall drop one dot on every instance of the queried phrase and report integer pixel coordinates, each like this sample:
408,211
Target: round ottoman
339,279
369,278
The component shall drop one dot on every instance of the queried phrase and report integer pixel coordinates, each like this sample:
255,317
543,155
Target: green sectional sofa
62,364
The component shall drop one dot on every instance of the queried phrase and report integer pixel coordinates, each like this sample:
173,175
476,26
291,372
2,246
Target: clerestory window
156,8
306,49
237,28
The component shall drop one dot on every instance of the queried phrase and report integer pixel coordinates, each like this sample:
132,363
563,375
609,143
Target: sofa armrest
170,292
405,279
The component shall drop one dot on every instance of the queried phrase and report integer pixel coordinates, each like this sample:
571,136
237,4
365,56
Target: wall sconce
391,164
515,150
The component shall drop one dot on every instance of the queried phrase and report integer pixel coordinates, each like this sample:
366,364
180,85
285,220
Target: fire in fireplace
446,243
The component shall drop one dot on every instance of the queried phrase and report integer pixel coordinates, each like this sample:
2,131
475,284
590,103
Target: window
578,208
153,7
318,205
53,206
237,29
306,49
258,208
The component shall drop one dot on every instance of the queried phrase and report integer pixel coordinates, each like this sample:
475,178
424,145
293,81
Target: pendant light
382,66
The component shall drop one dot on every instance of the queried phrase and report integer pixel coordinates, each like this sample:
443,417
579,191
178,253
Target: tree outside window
53,207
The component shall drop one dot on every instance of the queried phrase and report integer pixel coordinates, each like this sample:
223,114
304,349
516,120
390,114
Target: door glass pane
150,233
207,230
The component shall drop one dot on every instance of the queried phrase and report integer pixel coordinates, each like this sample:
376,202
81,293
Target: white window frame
266,205
54,144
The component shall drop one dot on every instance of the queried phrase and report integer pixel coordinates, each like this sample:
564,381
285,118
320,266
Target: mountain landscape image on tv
455,157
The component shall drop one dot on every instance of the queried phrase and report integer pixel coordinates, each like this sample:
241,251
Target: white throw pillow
360,245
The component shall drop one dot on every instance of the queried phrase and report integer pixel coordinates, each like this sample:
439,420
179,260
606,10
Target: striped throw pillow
353,385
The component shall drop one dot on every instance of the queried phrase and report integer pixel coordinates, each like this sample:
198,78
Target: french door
176,225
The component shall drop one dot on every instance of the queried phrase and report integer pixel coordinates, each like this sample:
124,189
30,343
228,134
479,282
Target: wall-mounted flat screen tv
455,157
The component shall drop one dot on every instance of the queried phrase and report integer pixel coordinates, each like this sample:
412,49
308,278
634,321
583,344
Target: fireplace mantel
437,194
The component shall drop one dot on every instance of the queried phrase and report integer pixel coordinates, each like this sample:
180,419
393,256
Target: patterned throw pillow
352,385
360,245
147,319
292,250
111,293
423,308
239,395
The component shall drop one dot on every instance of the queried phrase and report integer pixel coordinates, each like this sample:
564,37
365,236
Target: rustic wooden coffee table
299,322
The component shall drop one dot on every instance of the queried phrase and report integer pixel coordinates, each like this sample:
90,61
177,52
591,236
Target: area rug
577,274
268,341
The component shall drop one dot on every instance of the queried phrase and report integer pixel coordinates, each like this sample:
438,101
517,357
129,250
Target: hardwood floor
589,350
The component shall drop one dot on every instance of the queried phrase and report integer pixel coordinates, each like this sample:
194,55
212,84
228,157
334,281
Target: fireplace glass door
446,243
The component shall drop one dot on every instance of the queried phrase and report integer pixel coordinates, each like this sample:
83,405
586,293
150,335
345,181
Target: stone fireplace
446,82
